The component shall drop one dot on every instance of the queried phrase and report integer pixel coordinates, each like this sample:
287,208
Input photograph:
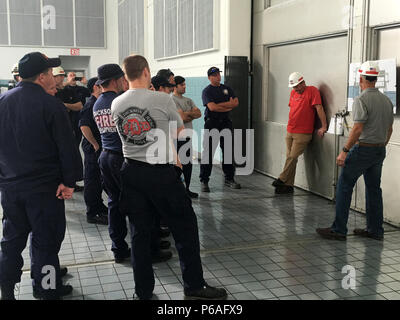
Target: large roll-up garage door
324,63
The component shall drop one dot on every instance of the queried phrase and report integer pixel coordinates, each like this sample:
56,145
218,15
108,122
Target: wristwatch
346,150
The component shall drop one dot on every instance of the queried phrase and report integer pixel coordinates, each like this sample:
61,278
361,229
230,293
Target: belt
145,164
363,144
113,152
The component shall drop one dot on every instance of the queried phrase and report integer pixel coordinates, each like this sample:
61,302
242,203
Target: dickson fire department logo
134,124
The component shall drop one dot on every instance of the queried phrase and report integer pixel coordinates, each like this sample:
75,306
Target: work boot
63,271
161,256
328,233
7,292
277,183
231,183
205,187
98,219
191,194
61,291
366,234
121,258
284,190
206,293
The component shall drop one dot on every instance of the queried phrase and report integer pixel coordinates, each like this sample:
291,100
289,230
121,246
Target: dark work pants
150,190
93,185
74,119
187,168
110,167
43,215
209,150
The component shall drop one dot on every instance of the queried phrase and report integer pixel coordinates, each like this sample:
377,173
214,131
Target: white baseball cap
58,72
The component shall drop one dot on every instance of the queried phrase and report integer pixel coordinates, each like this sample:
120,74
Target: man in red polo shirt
305,103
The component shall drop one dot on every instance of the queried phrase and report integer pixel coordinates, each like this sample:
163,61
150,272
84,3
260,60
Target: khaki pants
296,144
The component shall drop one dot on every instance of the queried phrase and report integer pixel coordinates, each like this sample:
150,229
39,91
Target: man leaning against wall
305,102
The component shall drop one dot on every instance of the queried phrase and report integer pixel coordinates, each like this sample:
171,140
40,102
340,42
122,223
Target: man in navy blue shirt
97,212
111,80
219,100
39,166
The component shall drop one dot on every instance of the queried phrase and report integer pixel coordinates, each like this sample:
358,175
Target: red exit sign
75,52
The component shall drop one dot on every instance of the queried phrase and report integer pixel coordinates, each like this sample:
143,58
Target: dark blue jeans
110,167
366,161
93,185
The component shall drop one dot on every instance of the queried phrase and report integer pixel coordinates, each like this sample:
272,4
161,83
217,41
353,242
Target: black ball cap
159,81
108,72
91,83
213,70
35,63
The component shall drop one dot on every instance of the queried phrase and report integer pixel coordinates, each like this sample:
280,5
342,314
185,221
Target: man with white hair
305,103
363,154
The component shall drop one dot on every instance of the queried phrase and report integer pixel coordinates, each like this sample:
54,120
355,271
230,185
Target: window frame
42,45
215,47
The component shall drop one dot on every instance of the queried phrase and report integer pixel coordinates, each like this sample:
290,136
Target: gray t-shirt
185,104
375,110
146,122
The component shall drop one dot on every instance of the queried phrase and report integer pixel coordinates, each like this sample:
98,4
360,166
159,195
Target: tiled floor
257,245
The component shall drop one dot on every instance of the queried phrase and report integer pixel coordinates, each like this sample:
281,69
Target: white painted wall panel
304,18
384,12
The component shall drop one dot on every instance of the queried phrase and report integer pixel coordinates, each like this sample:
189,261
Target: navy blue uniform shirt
37,149
86,120
217,95
68,95
102,114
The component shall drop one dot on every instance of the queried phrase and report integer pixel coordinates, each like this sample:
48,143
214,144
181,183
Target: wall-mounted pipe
251,70
349,61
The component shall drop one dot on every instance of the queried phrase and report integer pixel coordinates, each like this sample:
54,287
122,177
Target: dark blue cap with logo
213,70
35,63
108,72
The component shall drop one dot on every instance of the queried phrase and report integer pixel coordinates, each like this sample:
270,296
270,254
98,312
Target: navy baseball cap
159,81
213,70
35,63
108,72
91,83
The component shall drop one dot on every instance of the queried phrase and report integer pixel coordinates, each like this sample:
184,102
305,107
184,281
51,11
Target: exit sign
75,52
